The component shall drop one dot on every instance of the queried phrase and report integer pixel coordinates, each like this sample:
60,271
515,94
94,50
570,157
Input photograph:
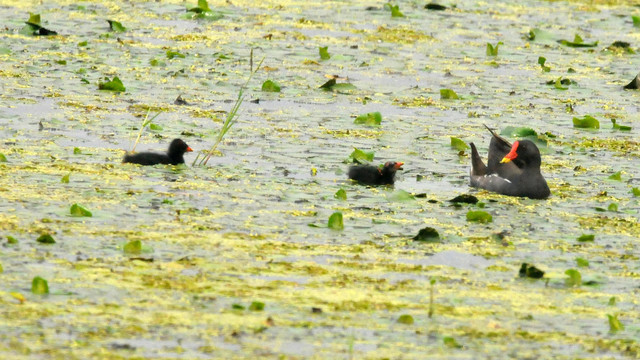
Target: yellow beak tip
505,160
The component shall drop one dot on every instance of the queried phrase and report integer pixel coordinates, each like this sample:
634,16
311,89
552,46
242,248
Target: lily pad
39,286
574,278
586,122
270,86
116,26
620,127
458,144
370,119
586,237
79,210
335,221
133,247
112,85
360,156
493,50
479,216
448,94
46,239
324,53
577,42
405,319
614,324
340,194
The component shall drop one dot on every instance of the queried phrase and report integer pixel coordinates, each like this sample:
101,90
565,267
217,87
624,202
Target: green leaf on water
77,151
518,131
448,94
617,176
34,18
328,85
270,86
542,60
156,62
620,127
458,144
577,42
612,301
574,279
46,239
174,54
155,127
581,262
133,247
256,306
324,53
586,122
370,119
12,240
203,6
112,85
401,196
493,50
335,221
3,158
427,234
83,43
340,194
635,191
614,324
405,319
359,156
343,87
395,10
613,207
80,211
636,20
451,342
586,237
116,26
479,216
237,307
39,286
558,84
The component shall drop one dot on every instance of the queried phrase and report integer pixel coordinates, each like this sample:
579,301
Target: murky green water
218,238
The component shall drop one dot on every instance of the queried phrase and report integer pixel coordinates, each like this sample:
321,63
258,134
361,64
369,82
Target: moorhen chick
373,175
174,156
512,170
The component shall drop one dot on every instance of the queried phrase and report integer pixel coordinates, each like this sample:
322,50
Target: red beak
512,154
189,149
398,166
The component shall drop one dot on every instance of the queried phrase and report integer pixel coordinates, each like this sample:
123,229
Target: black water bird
373,175
512,170
174,156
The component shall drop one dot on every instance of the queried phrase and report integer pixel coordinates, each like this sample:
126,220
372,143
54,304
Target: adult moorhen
512,170
174,156
373,175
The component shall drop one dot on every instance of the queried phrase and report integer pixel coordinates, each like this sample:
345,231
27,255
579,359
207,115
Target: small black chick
372,175
174,156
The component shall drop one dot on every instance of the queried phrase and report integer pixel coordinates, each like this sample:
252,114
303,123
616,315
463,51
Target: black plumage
511,169
174,156
373,175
